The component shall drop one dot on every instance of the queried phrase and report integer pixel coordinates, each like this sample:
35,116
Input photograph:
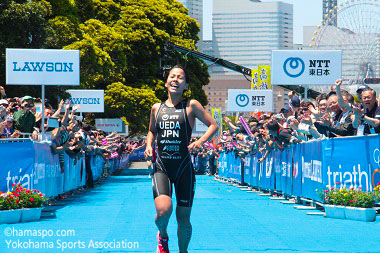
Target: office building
245,32
195,8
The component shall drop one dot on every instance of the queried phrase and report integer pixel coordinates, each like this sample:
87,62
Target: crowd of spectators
67,132
333,115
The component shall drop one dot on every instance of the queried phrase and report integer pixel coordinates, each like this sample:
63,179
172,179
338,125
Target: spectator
3,109
25,121
7,130
295,105
2,93
367,120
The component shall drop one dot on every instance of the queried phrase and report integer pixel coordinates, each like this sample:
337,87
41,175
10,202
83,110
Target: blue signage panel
345,163
17,166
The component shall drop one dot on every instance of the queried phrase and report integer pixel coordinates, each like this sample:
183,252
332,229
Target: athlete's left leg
184,227
185,189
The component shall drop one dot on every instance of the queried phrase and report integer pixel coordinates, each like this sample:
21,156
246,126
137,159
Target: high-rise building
327,6
246,31
195,8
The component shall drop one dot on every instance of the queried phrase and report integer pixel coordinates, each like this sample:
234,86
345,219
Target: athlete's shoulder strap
159,110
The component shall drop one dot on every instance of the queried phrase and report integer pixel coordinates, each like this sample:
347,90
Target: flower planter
10,216
30,214
360,214
337,212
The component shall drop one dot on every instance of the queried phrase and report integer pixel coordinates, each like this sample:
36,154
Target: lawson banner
247,100
42,67
88,100
306,67
302,169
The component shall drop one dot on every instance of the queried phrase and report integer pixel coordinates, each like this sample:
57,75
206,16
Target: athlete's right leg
162,191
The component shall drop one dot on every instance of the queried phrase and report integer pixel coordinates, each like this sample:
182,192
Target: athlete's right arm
151,132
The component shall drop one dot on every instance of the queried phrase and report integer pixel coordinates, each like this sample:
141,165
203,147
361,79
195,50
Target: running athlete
171,122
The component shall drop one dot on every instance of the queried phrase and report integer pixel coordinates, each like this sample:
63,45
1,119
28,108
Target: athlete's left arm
197,111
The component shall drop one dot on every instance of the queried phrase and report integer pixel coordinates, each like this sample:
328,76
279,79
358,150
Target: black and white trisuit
173,164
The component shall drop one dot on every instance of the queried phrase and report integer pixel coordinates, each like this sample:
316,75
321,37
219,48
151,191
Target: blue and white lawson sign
247,100
88,100
306,67
42,67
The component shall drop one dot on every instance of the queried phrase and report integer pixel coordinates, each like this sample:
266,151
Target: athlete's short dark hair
178,66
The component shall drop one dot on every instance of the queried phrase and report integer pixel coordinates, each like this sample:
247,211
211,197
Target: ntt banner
306,67
246,100
88,100
42,67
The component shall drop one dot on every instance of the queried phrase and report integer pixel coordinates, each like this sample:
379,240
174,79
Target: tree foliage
120,43
131,103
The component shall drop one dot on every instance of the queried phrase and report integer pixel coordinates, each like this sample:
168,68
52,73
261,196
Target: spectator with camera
25,121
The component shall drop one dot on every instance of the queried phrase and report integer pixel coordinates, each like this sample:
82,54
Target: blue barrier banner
373,152
124,160
255,168
266,176
237,167
310,159
279,186
223,165
285,170
47,177
345,163
248,161
230,162
294,184
17,166
137,155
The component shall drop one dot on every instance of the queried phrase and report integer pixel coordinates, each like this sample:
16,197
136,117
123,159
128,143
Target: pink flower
31,199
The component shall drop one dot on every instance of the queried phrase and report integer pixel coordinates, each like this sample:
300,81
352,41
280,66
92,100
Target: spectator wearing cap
286,112
25,121
360,90
295,105
7,130
367,120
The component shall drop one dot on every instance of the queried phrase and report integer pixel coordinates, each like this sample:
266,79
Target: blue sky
305,13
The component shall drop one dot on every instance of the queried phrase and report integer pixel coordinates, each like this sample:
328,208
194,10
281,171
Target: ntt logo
294,67
242,100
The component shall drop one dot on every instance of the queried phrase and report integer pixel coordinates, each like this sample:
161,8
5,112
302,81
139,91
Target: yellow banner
217,116
264,82
255,79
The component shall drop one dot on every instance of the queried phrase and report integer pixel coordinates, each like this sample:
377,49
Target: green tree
23,24
131,104
120,42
